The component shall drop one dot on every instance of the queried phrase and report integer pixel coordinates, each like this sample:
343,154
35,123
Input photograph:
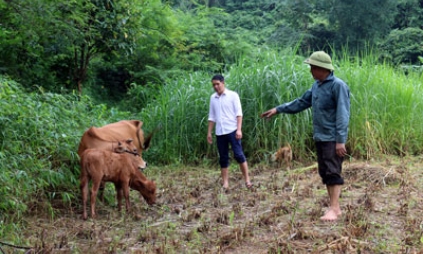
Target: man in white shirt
226,113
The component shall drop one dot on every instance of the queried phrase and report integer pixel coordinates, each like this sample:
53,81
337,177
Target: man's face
218,86
318,73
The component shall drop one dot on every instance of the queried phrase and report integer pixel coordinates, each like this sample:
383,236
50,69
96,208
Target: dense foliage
102,47
39,138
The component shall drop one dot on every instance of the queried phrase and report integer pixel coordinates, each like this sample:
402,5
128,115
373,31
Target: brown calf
120,168
283,155
123,146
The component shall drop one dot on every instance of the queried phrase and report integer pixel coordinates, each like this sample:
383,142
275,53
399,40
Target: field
381,202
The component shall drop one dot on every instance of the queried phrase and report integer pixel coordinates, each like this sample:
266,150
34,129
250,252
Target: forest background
69,65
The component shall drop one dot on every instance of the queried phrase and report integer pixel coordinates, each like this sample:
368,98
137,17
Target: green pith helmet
321,59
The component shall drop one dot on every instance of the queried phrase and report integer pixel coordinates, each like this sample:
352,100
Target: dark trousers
223,142
329,163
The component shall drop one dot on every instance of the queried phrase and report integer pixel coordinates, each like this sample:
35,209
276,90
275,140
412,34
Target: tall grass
266,82
181,106
385,109
180,110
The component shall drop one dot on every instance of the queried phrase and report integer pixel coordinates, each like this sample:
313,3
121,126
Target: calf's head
146,188
125,146
128,147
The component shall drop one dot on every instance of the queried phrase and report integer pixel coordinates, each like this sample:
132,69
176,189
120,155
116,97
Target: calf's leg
94,190
126,194
119,195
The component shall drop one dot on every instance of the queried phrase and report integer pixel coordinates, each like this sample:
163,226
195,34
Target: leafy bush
40,133
404,46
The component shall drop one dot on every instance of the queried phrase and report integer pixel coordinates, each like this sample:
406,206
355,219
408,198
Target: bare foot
331,215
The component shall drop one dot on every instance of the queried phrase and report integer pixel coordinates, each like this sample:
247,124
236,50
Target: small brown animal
120,168
283,155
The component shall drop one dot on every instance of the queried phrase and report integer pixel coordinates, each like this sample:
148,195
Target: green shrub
40,133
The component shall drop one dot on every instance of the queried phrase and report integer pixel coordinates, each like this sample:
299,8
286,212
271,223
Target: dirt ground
381,202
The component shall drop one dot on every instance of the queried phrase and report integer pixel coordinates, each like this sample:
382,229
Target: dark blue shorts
223,142
329,163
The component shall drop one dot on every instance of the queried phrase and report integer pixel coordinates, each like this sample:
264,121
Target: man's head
320,65
218,82
320,59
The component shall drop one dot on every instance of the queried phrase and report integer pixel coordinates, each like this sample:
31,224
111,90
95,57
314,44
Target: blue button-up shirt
330,102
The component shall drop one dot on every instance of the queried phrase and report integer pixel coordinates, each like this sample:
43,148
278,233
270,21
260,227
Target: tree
26,49
52,43
95,28
404,46
361,22
410,14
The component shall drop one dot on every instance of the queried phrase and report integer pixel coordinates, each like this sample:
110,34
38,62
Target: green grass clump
40,133
385,109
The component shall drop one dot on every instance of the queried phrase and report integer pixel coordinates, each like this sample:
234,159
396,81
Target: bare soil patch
381,202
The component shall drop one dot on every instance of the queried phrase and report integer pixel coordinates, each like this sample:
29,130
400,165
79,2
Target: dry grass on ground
381,202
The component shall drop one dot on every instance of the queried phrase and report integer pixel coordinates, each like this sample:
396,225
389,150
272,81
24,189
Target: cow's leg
119,194
94,190
84,193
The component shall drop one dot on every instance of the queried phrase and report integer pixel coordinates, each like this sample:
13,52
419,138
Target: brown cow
120,168
104,138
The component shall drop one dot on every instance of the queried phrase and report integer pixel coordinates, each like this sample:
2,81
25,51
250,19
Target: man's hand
209,138
341,151
269,113
238,134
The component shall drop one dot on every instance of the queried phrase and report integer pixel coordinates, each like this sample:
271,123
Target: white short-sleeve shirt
224,110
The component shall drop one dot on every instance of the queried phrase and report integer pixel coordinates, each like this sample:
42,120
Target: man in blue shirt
226,113
329,98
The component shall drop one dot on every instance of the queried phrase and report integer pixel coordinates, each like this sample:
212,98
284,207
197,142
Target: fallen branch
15,246
302,170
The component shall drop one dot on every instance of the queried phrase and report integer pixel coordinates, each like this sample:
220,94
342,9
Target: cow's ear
129,140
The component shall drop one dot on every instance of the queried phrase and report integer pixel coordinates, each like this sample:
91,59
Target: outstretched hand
269,113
